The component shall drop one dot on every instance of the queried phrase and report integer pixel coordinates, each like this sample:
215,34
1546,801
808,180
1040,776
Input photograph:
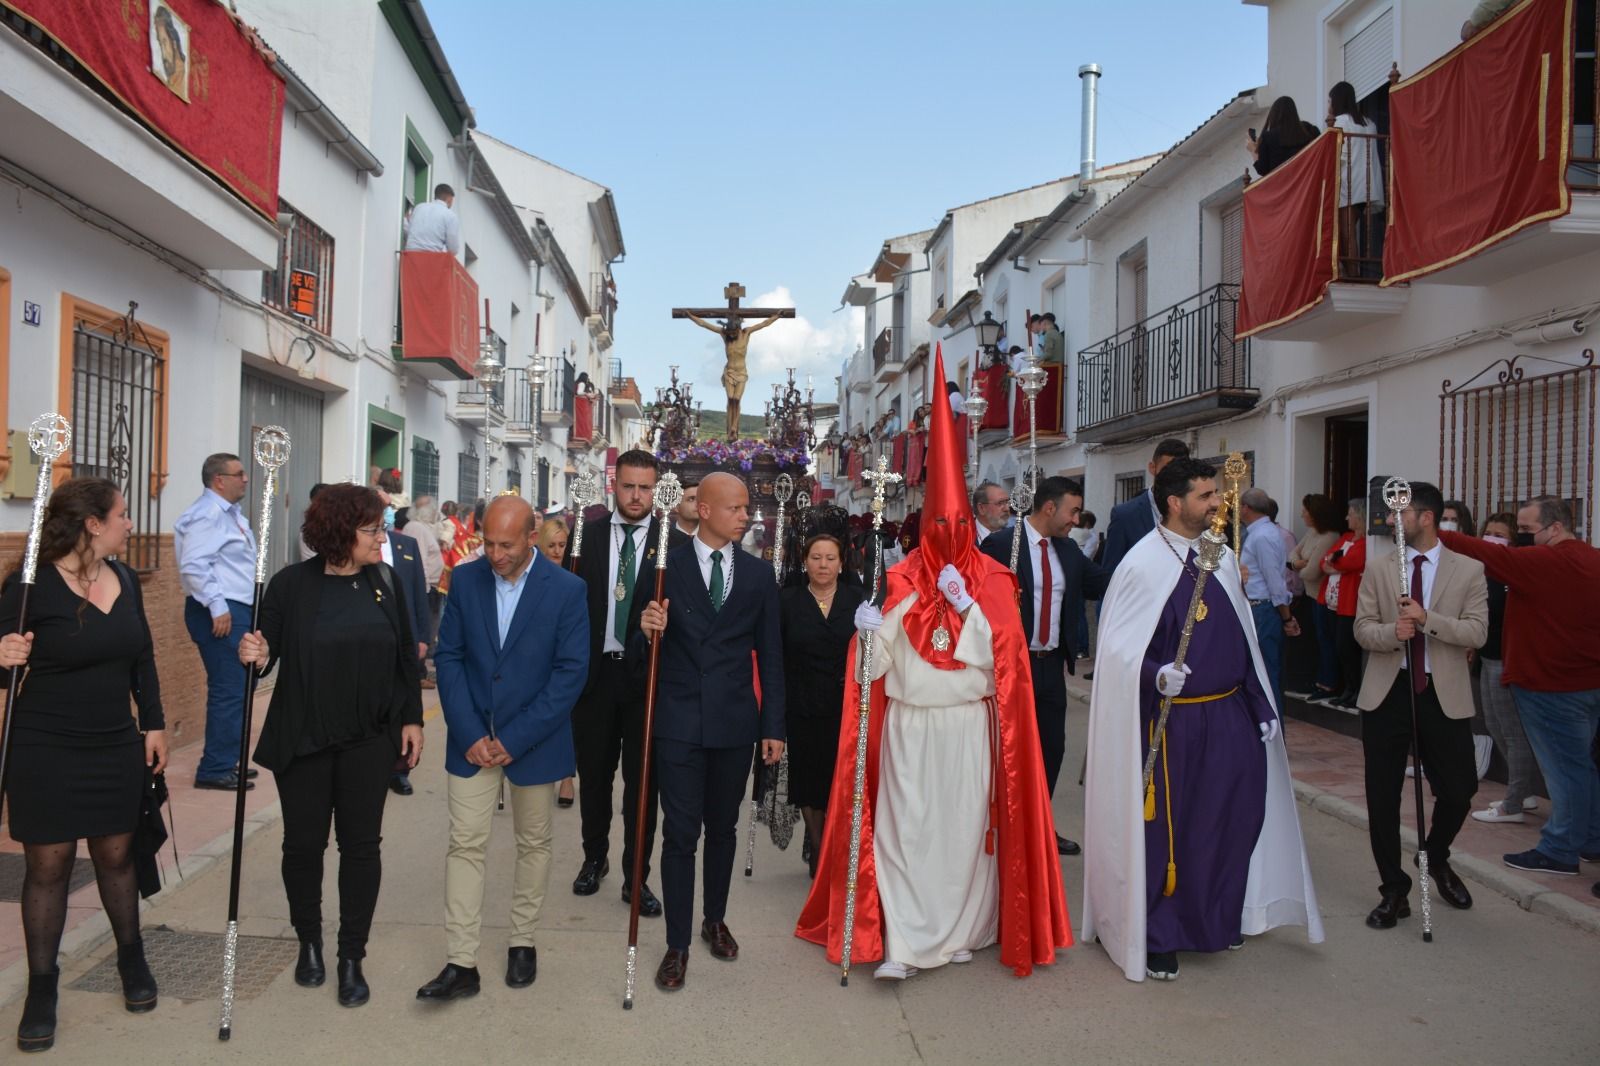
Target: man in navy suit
513,655
721,605
1132,519
1055,578
404,554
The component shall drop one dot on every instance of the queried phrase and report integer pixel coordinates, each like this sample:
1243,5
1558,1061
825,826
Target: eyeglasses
370,531
236,473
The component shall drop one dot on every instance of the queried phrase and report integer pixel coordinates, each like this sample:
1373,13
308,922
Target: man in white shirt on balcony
433,226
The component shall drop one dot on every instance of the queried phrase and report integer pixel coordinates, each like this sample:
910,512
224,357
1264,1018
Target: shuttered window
1369,54
1233,244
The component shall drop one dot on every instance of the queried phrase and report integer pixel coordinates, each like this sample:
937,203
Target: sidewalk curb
1528,894
81,941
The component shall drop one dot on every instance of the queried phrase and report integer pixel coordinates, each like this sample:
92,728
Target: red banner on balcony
582,417
190,72
1291,237
438,313
1480,141
1047,407
897,456
992,387
917,453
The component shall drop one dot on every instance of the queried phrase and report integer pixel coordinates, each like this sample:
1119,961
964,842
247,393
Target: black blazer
706,689
815,650
1081,577
594,566
408,571
1130,521
288,622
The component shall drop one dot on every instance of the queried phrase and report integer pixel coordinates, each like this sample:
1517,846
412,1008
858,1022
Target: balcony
520,406
557,394
476,404
887,358
602,308
859,373
626,400
1175,370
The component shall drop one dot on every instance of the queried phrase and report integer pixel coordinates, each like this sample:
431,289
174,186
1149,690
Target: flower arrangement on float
746,452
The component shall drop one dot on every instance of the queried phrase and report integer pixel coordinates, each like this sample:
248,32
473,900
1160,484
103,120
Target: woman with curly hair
346,707
78,760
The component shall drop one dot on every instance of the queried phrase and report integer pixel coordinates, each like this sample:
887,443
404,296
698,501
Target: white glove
868,618
1170,678
954,588
1269,731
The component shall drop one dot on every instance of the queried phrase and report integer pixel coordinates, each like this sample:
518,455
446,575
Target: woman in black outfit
77,765
818,622
347,705
1282,135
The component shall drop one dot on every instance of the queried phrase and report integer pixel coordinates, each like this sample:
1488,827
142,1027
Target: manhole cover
188,966
12,867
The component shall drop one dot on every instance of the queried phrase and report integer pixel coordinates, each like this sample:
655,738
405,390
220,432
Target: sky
779,144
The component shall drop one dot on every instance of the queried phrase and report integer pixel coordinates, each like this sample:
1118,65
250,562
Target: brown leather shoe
723,946
670,974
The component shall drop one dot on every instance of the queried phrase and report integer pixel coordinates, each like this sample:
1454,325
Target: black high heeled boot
37,1030
138,983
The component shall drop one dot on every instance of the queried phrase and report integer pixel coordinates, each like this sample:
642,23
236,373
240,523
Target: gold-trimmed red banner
1480,141
189,72
1291,237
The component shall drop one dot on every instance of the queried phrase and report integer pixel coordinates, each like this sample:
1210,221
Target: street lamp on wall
988,332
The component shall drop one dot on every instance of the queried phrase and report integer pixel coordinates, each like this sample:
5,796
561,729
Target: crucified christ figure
736,342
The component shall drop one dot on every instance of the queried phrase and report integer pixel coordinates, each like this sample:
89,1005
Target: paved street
1499,985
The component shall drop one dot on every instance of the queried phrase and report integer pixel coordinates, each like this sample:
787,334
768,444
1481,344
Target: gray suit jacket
1458,621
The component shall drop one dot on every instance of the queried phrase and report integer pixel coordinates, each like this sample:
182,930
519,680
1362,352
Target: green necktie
625,579
716,581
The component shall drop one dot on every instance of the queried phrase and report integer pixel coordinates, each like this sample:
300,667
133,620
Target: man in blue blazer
513,655
1050,608
404,554
1132,519
720,605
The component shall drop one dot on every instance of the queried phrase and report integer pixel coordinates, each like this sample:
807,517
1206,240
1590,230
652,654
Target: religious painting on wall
169,49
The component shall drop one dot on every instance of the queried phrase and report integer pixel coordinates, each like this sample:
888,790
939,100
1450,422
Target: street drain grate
188,966
13,866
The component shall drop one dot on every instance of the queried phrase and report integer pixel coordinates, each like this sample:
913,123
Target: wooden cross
733,312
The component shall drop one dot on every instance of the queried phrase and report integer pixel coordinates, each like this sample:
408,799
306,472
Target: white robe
940,891
1279,890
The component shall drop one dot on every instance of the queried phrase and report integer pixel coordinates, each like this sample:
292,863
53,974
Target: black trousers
1349,653
1050,708
347,787
1448,761
699,787
608,722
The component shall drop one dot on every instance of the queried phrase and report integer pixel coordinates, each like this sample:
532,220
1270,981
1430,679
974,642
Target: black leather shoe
588,880
309,971
400,784
1067,847
649,906
1449,886
138,983
522,966
453,982
1388,912
673,969
225,783
37,1030
353,990
723,946
249,775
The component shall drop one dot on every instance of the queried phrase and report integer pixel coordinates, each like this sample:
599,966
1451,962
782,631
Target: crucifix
735,340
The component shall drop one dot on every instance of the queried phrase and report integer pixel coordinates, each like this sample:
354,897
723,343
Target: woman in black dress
78,759
347,705
818,623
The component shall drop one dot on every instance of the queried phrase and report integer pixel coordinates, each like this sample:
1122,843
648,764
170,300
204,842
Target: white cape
1279,889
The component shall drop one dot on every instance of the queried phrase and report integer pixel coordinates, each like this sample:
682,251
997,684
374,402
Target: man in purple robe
1171,868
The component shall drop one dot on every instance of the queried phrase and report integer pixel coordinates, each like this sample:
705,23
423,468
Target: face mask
1492,539
1524,540
1449,526
388,518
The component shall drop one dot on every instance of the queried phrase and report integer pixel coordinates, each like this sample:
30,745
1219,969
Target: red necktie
1043,627
1419,677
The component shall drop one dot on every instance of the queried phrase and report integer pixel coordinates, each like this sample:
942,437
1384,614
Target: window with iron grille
469,476
514,474
118,417
1129,486
424,468
302,283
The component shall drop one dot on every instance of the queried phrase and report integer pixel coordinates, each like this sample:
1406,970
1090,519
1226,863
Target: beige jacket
1307,560
1458,621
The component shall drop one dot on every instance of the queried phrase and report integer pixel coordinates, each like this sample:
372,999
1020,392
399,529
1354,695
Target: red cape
1033,908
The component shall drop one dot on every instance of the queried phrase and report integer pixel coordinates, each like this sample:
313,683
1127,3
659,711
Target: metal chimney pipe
1090,74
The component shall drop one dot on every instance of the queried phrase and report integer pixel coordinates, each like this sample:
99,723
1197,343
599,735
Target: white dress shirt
614,552
433,227
1057,589
1423,595
216,553
507,594
703,551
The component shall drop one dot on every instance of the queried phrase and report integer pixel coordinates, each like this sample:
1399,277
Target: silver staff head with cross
881,479
1397,497
783,488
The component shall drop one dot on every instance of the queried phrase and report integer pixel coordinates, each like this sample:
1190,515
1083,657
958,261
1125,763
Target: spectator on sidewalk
991,508
216,555
1265,563
1551,647
1418,685
1494,699
420,522
1132,519
402,553
1323,524
1342,588
552,544
1458,519
1291,576
433,227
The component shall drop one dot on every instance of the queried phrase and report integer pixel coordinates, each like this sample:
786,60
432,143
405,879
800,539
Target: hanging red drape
992,387
1291,237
